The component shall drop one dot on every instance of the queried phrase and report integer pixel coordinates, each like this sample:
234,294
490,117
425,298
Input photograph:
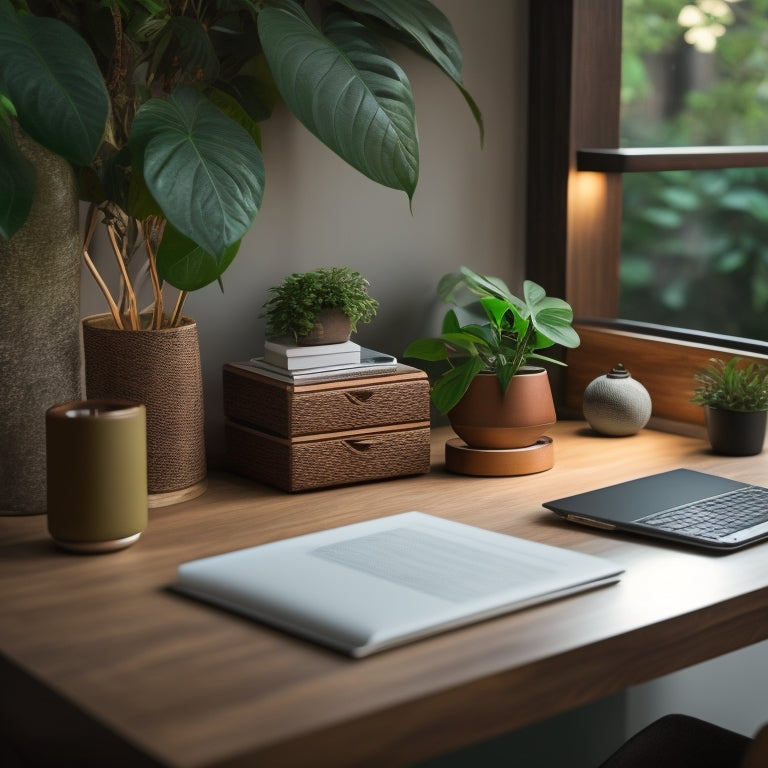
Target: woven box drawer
289,410
327,460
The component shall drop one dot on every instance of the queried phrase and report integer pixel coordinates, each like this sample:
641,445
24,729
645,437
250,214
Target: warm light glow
587,188
587,200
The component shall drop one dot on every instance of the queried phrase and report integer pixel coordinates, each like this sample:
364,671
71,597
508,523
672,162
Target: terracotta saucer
499,462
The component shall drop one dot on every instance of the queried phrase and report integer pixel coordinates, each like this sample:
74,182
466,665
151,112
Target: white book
293,357
369,586
291,349
371,363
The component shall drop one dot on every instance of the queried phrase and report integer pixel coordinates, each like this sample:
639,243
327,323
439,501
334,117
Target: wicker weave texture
304,466
162,370
290,412
40,336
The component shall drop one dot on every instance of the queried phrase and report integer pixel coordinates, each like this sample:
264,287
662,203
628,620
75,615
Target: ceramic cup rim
95,408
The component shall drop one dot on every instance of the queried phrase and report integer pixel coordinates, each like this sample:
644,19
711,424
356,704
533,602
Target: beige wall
468,207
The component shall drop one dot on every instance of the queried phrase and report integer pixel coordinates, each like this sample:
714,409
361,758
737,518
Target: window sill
664,365
648,159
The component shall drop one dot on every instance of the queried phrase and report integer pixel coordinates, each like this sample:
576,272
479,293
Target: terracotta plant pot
735,433
160,369
332,326
484,418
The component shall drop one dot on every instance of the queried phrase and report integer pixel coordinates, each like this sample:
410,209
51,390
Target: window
574,204
694,247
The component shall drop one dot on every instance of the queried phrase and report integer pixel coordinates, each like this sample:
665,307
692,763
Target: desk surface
189,685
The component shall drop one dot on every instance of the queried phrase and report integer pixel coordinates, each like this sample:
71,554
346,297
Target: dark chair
681,741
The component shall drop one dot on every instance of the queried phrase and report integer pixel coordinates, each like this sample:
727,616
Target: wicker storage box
302,437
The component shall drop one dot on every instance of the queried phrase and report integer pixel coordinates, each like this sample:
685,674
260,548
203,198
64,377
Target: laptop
681,505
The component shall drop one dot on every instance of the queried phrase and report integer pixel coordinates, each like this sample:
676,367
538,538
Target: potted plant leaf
734,394
319,307
493,388
156,107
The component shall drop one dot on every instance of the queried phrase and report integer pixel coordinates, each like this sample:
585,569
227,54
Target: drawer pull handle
358,398
359,445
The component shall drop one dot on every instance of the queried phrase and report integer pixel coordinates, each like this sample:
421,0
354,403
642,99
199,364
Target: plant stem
133,312
176,316
92,220
157,289
522,348
103,286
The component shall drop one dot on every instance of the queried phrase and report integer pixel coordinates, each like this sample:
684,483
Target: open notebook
365,587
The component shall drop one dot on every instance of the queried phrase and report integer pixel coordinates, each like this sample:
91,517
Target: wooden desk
98,656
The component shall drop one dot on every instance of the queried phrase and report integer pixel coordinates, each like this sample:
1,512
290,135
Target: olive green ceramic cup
96,454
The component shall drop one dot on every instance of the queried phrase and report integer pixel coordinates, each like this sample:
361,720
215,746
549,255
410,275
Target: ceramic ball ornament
616,404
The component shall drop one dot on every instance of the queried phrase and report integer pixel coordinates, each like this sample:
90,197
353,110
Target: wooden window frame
573,219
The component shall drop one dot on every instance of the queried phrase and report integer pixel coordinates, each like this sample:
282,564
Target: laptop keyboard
714,518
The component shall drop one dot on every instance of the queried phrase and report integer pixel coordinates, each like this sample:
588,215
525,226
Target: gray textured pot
39,329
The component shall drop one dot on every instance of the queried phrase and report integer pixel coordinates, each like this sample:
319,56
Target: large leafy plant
157,107
500,336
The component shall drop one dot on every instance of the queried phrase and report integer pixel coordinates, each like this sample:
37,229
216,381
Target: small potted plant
319,307
492,390
734,394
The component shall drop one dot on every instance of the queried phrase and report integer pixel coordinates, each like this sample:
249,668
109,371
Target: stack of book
286,361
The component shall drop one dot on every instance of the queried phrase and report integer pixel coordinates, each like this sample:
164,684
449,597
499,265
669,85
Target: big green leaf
427,29
54,83
185,265
451,386
427,349
345,89
17,185
479,285
202,168
551,317
496,309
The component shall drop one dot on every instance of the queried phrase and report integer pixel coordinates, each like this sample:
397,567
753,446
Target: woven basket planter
160,369
39,328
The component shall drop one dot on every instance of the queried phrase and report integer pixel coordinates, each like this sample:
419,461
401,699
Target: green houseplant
497,399
299,301
505,335
734,393
157,107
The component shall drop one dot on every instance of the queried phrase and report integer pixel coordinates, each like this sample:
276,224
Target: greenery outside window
695,72
576,169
